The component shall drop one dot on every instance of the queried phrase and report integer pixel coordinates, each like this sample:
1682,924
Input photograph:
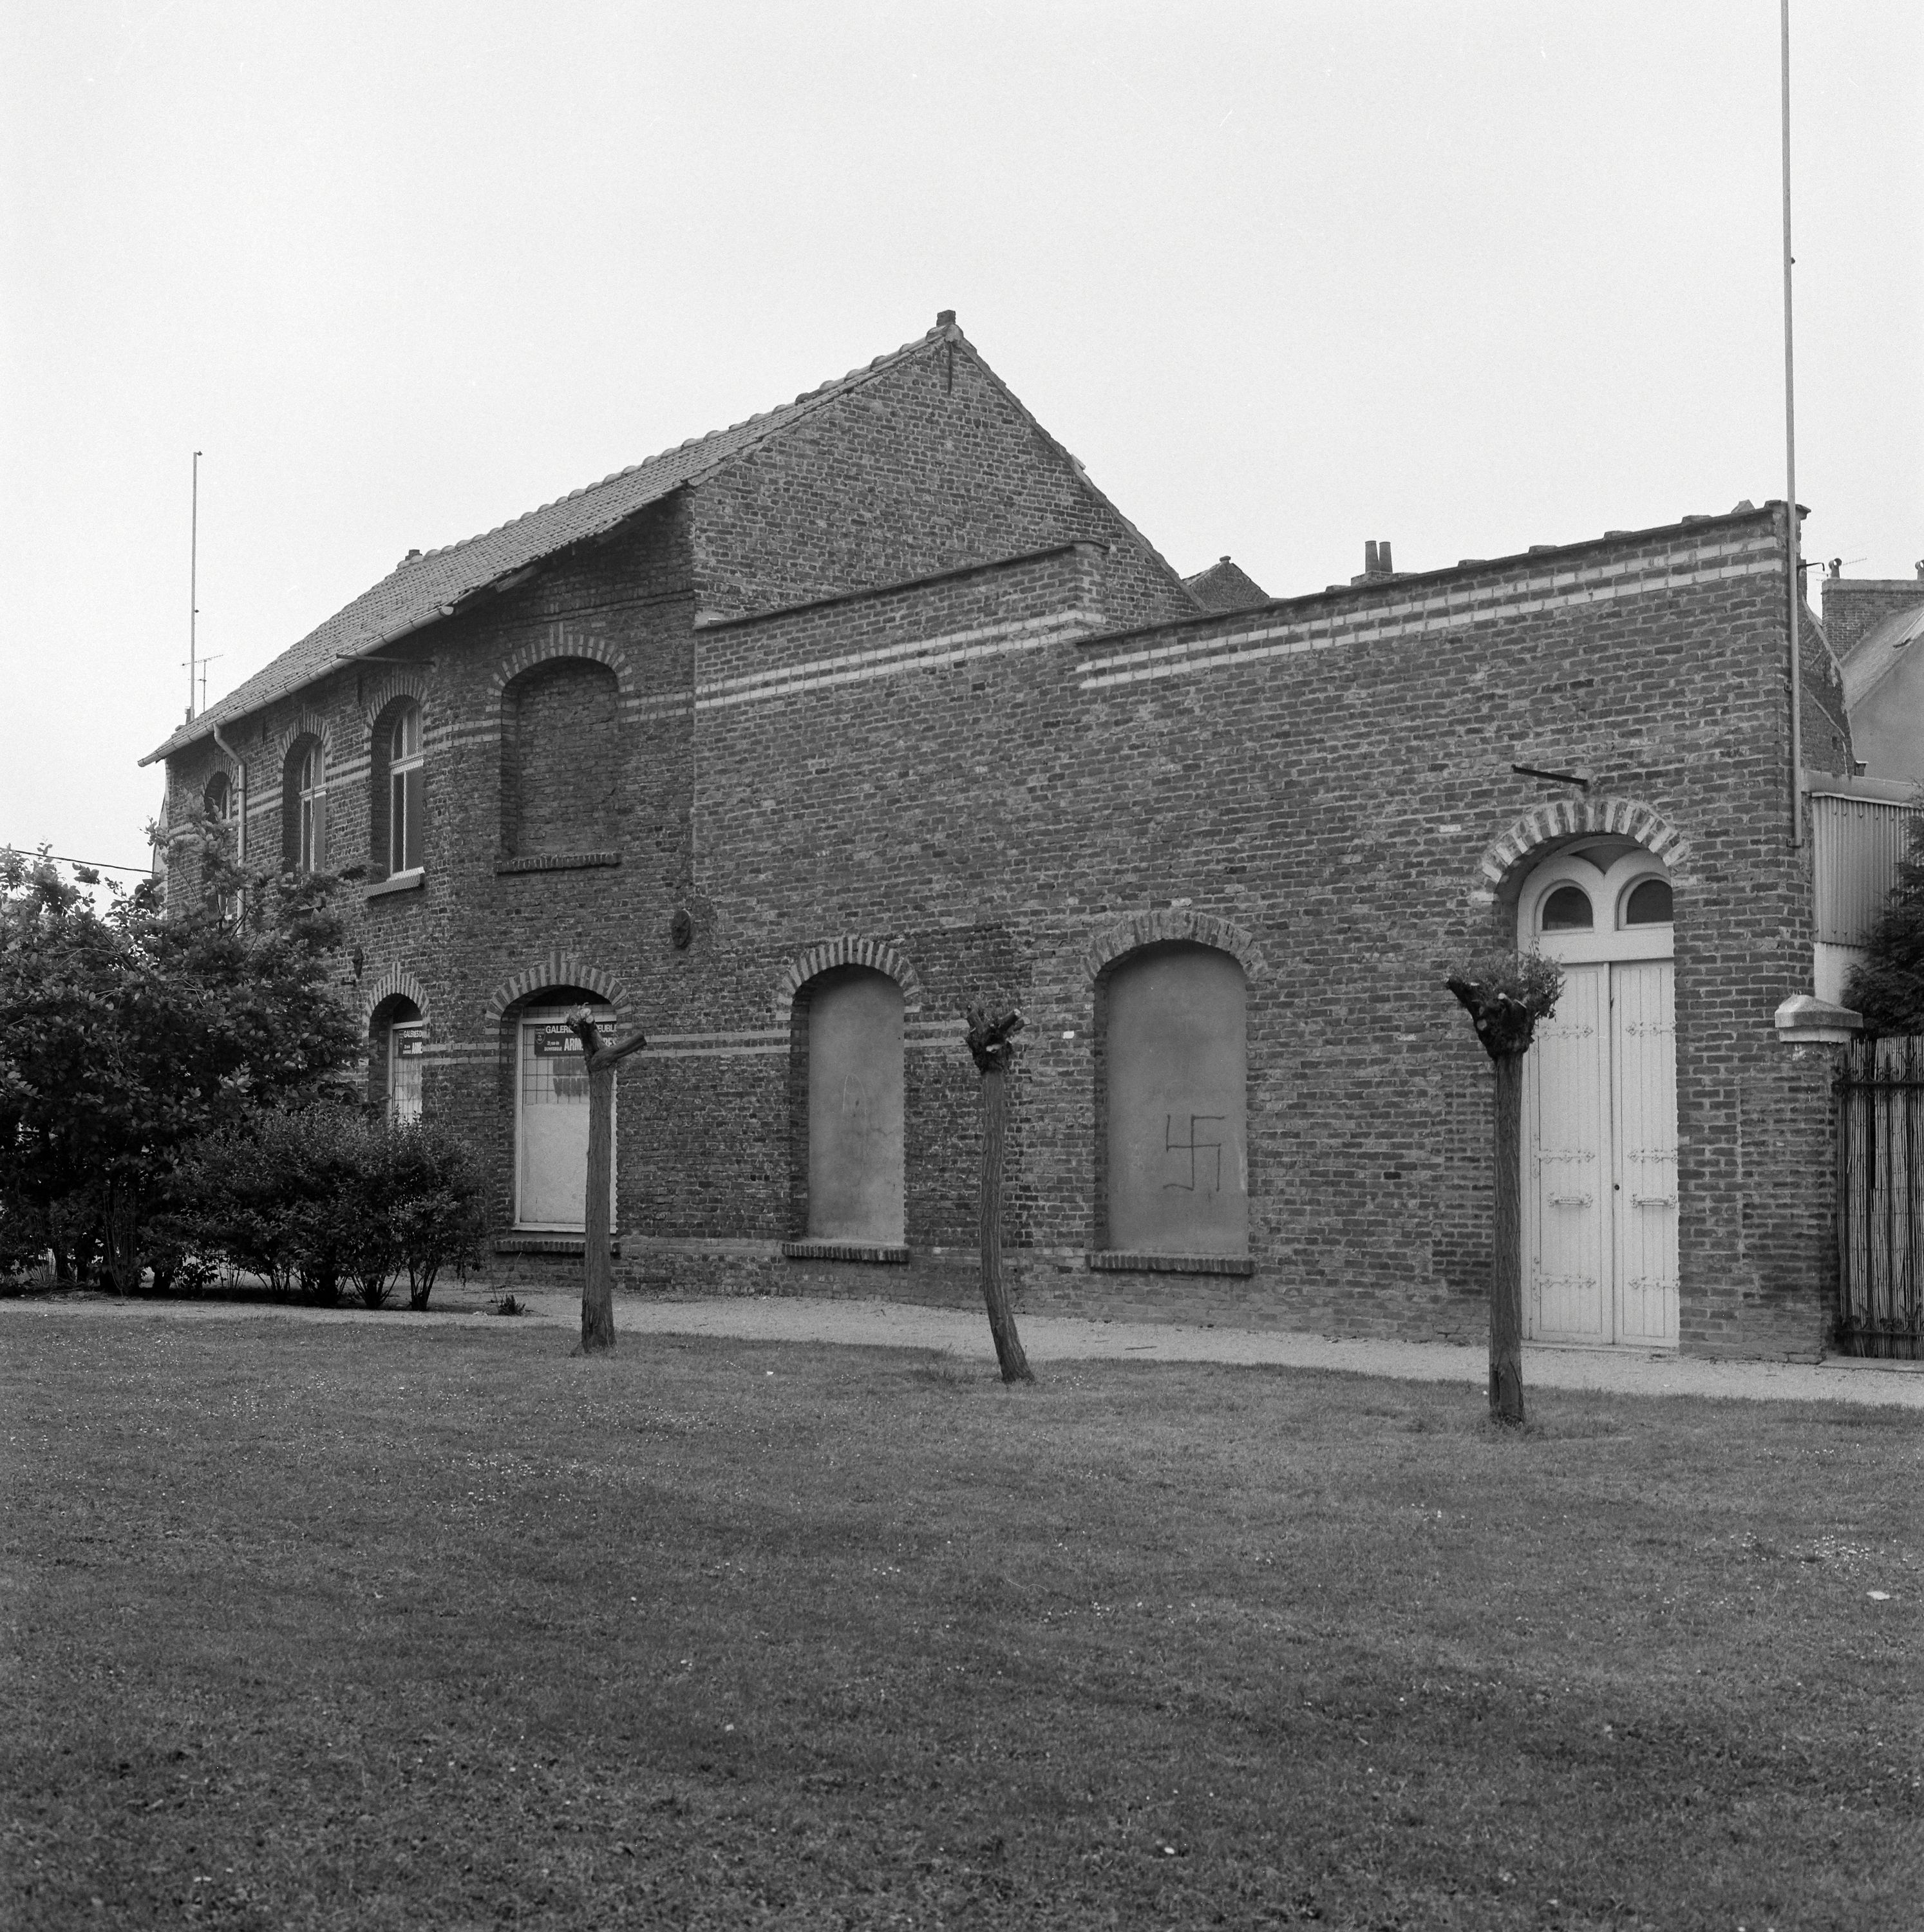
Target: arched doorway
1175,1077
551,1111
1600,1176
396,1044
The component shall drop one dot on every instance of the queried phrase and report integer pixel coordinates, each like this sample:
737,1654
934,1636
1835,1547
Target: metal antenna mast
194,584
1797,582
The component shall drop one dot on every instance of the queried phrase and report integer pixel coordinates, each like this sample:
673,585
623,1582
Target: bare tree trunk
598,1278
991,1041
598,1273
122,1237
1014,1364
1506,1246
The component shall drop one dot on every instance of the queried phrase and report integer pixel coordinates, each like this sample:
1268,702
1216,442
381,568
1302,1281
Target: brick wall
972,772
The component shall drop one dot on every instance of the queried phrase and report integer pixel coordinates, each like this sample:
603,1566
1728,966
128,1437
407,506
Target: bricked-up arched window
397,813
1175,1066
852,1021
561,760
304,807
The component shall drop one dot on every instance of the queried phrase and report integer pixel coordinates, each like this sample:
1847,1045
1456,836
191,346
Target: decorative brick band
1562,818
557,862
396,983
843,1251
547,1244
562,643
1115,1260
559,969
849,950
1327,624
1149,928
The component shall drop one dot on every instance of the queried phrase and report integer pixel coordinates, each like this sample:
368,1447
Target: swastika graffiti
1203,1172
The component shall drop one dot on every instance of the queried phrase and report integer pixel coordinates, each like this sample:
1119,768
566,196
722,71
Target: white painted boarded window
1177,1076
855,1108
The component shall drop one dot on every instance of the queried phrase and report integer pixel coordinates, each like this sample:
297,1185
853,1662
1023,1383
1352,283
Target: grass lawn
389,1626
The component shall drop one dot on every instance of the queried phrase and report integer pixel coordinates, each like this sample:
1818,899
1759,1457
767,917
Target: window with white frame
304,807
407,818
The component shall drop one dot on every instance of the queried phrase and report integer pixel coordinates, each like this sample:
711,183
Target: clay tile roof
1224,586
425,587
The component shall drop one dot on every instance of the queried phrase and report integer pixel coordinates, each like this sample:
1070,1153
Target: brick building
783,744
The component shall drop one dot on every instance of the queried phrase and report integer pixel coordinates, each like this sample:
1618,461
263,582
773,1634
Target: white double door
1600,1176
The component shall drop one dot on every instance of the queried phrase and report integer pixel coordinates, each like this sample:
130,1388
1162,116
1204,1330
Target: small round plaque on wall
681,929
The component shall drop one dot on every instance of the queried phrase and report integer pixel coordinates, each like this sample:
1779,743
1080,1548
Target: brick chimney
1852,606
1377,567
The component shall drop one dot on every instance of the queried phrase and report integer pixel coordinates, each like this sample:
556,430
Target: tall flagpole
193,585
1797,586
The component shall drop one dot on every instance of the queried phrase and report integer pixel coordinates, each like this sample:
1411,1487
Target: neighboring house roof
1880,650
1224,586
424,588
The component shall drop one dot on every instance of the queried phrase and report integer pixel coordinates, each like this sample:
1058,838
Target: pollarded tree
1506,994
992,1026
598,1273
1888,988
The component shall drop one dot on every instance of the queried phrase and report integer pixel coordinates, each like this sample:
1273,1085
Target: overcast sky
1468,276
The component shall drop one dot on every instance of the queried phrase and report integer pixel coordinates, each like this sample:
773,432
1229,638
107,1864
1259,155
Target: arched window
219,801
303,794
561,760
851,1028
407,812
1567,909
1175,1061
1647,903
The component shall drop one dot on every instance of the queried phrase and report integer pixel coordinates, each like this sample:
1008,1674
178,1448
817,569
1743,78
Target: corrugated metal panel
1856,843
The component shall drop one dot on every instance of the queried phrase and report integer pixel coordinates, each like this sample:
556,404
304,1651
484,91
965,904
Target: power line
92,864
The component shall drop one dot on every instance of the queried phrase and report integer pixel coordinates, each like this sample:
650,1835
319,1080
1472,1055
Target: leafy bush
327,1197
126,1036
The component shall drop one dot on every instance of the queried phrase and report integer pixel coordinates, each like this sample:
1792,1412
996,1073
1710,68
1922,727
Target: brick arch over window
848,951
558,969
396,983
400,684
307,725
1151,928
1571,818
562,644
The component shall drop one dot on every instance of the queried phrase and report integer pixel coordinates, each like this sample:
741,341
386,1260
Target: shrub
327,1197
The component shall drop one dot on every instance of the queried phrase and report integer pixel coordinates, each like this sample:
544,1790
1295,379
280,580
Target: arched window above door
1602,899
